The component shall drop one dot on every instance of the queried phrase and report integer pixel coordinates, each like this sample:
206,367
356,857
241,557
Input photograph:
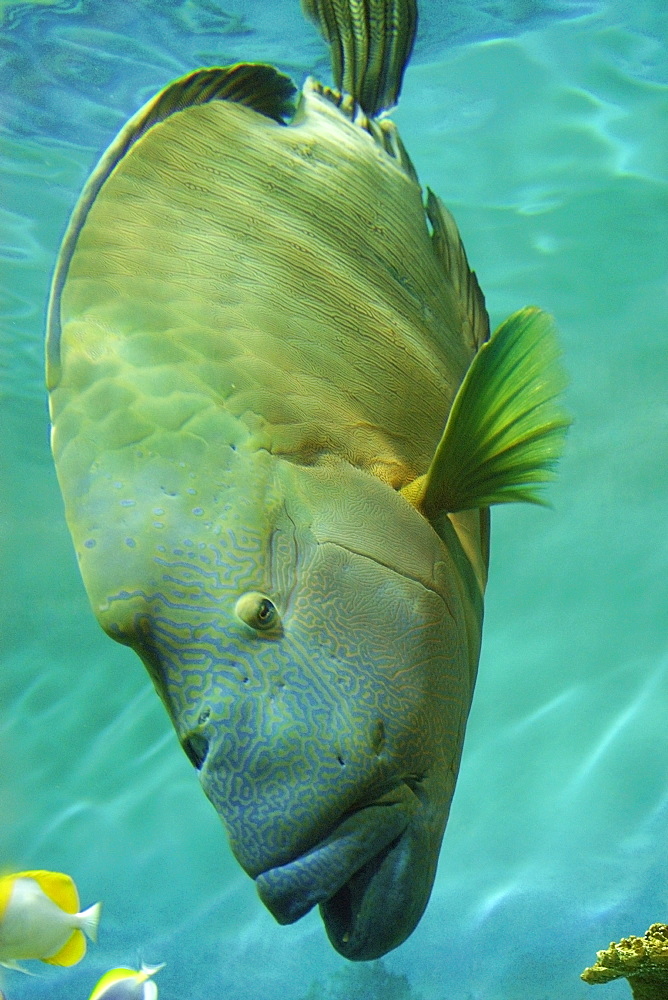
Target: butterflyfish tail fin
370,43
506,429
147,971
74,948
89,921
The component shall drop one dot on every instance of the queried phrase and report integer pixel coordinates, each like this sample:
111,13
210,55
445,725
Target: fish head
315,645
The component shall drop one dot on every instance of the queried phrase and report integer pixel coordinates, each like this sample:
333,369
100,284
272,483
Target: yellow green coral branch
641,960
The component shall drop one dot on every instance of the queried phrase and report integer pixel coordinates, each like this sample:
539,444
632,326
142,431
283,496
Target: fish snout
325,805
291,890
281,777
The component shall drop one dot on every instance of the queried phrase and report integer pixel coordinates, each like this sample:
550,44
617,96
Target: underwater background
542,125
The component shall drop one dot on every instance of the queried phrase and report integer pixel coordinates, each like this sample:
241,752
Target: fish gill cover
543,136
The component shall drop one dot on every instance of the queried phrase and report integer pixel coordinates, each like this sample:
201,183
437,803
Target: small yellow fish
127,984
40,918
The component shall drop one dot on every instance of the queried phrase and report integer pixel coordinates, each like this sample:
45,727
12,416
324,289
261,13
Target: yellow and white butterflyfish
127,984
40,918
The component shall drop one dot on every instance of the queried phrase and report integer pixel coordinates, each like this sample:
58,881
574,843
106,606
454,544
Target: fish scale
379,348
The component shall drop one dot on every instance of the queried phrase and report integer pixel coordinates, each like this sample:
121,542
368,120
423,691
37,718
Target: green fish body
278,424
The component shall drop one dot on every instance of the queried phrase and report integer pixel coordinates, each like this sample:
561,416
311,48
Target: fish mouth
363,875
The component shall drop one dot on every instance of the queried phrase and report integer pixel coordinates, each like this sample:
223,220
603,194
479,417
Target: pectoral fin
15,967
505,430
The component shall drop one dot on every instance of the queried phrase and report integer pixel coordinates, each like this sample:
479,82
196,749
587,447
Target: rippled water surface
542,124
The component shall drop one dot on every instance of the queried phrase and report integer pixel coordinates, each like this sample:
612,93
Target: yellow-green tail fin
506,429
370,43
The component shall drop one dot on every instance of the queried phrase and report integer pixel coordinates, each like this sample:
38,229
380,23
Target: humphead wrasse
278,425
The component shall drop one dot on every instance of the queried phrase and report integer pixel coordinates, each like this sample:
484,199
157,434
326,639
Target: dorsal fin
370,43
256,85
58,887
449,249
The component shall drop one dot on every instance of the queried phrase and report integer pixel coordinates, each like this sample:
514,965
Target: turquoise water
543,127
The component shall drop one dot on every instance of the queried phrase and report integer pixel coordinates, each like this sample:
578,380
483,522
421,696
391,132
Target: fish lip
347,926
353,851
381,904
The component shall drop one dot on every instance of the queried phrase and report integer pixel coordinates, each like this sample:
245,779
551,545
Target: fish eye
266,612
258,611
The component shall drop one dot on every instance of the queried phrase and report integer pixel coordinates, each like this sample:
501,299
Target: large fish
278,425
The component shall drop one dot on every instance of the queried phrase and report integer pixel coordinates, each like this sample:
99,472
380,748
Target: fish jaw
372,876
382,903
289,891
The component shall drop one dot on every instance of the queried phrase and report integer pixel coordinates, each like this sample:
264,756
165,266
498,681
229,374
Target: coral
641,960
